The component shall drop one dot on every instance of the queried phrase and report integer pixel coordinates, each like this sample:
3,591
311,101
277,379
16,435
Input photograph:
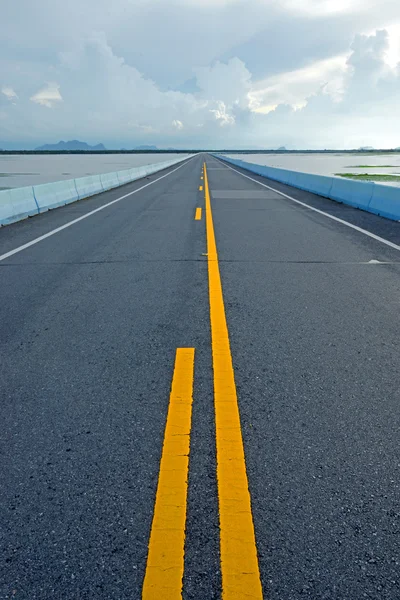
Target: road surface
107,303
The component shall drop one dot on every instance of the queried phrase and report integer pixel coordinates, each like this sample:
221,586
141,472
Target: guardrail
379,199
19,203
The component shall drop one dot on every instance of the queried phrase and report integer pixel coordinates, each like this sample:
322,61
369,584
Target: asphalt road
91,318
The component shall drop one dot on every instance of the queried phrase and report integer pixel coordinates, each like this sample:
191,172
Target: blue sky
201,73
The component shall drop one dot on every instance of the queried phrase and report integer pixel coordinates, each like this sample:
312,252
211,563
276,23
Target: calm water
18,171
328,164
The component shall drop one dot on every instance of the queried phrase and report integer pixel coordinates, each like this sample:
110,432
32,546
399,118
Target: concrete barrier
137,173
385,202
88,186
355,193
124,176
317,184
58,193
150,169
320,184
287,176
382,200
17,204
109,181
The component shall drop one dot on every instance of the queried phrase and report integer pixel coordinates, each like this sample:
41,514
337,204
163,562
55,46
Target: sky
201,73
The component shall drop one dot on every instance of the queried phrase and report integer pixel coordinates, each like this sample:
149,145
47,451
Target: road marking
201,177
89,214
198,214
321,212
201,188
239,562
165,560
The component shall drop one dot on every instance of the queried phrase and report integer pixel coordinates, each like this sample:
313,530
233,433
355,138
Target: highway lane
91,320
315,342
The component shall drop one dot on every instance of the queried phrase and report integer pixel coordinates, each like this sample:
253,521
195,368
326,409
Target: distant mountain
283,148
366,148
146,148
71,145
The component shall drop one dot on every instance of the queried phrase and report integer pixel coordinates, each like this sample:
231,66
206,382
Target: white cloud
294,87
228,82
220,113
315,8
142,128
363,115
9,93
48,96
321,89
393,50
177,124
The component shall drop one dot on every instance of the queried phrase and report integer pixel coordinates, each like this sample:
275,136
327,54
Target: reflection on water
22,170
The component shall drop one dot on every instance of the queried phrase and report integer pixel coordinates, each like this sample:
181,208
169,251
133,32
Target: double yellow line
165,560
239,562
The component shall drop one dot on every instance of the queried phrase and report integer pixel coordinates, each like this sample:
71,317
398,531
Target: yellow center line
201,188
198,214
165,560
239,561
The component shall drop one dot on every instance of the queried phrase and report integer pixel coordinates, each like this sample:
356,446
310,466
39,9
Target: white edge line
92,212
321,212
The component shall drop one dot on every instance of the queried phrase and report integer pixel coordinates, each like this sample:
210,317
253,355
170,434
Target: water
22,170
329,164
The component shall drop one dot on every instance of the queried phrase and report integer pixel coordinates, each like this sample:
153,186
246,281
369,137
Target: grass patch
368,177
374,166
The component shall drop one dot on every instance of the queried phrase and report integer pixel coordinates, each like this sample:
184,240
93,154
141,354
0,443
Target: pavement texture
90,321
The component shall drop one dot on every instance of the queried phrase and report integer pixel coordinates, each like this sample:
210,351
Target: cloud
165,41
9,93
48,96
213,73
294,87
298,33
222,115
359,116
177,124
315,8
229,82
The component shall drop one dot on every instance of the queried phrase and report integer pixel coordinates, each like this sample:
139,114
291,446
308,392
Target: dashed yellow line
165,560
198,214
239,561
201,188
